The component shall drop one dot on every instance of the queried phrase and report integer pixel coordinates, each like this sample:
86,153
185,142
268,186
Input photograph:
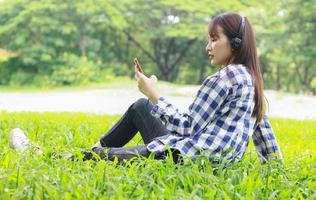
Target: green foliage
167,36
4,55
285,32
75,71
301,43
313,84
25,175
49,36
21,78
69,70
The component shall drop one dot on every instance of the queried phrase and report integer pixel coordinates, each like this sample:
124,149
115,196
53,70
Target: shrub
75,70
21,78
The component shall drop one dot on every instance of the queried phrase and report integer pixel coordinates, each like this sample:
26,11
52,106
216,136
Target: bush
75,70
4,57
21,78
69,69
120,69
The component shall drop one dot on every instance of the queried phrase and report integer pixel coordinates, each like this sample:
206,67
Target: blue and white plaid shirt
219,122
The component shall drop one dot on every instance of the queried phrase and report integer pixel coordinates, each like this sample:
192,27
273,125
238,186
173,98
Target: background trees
58,42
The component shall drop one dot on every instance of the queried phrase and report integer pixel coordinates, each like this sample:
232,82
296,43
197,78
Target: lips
211,56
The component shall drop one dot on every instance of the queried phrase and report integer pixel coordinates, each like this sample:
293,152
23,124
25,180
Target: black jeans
136,118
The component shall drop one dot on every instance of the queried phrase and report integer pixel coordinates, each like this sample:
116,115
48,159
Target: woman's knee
140,104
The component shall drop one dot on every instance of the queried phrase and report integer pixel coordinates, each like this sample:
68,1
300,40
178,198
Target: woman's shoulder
229,76
236,74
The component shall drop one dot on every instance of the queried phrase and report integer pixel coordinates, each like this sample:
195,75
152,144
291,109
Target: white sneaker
18,140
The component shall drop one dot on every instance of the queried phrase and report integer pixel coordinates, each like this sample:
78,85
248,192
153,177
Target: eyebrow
213,36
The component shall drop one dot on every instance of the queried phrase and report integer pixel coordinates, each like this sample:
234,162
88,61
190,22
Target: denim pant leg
136,118
127,153
122,153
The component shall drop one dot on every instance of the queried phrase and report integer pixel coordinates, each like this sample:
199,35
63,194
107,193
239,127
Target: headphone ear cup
235,43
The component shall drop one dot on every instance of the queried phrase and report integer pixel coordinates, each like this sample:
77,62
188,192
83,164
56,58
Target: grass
24,175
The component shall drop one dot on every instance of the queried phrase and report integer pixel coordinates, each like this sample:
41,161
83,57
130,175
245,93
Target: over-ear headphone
236,41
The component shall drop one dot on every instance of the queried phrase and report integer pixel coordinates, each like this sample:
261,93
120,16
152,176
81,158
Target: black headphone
236,41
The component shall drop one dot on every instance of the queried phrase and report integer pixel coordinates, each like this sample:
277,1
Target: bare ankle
98,145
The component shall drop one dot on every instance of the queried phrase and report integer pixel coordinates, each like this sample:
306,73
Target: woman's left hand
147,86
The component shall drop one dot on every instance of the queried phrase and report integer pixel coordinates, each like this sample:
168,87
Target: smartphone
139,68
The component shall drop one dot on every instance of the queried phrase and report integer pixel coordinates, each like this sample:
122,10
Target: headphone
236,41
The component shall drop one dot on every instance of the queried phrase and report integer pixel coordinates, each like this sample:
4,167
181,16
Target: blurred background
57,43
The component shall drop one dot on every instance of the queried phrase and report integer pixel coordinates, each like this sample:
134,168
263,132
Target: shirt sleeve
209,98
265,141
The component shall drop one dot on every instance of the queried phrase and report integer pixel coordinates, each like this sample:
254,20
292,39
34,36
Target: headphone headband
242,27
236,41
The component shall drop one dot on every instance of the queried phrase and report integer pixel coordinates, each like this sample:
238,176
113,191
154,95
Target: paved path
116,101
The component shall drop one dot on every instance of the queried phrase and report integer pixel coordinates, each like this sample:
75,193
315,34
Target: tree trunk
165,55
278,78
83,45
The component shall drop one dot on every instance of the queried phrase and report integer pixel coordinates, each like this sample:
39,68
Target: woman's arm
210,97
265,141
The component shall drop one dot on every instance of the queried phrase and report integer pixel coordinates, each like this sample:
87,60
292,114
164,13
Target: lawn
23,175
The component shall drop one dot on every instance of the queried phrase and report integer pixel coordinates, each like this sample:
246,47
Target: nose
208,47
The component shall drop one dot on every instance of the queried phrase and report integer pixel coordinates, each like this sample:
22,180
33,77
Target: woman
227,112
228,109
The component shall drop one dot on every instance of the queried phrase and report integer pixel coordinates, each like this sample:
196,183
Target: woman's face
219,49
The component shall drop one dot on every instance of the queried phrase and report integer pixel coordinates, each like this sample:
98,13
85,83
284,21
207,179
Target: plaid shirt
219,122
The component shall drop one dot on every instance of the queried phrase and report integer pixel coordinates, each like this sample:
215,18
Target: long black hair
246,54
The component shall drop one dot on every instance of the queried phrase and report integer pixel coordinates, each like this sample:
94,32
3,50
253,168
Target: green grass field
24,175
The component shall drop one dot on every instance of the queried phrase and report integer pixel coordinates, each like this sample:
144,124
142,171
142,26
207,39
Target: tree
41,32
164,31
301,45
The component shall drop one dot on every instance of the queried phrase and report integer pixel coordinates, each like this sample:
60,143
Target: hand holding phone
146,85
138,66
